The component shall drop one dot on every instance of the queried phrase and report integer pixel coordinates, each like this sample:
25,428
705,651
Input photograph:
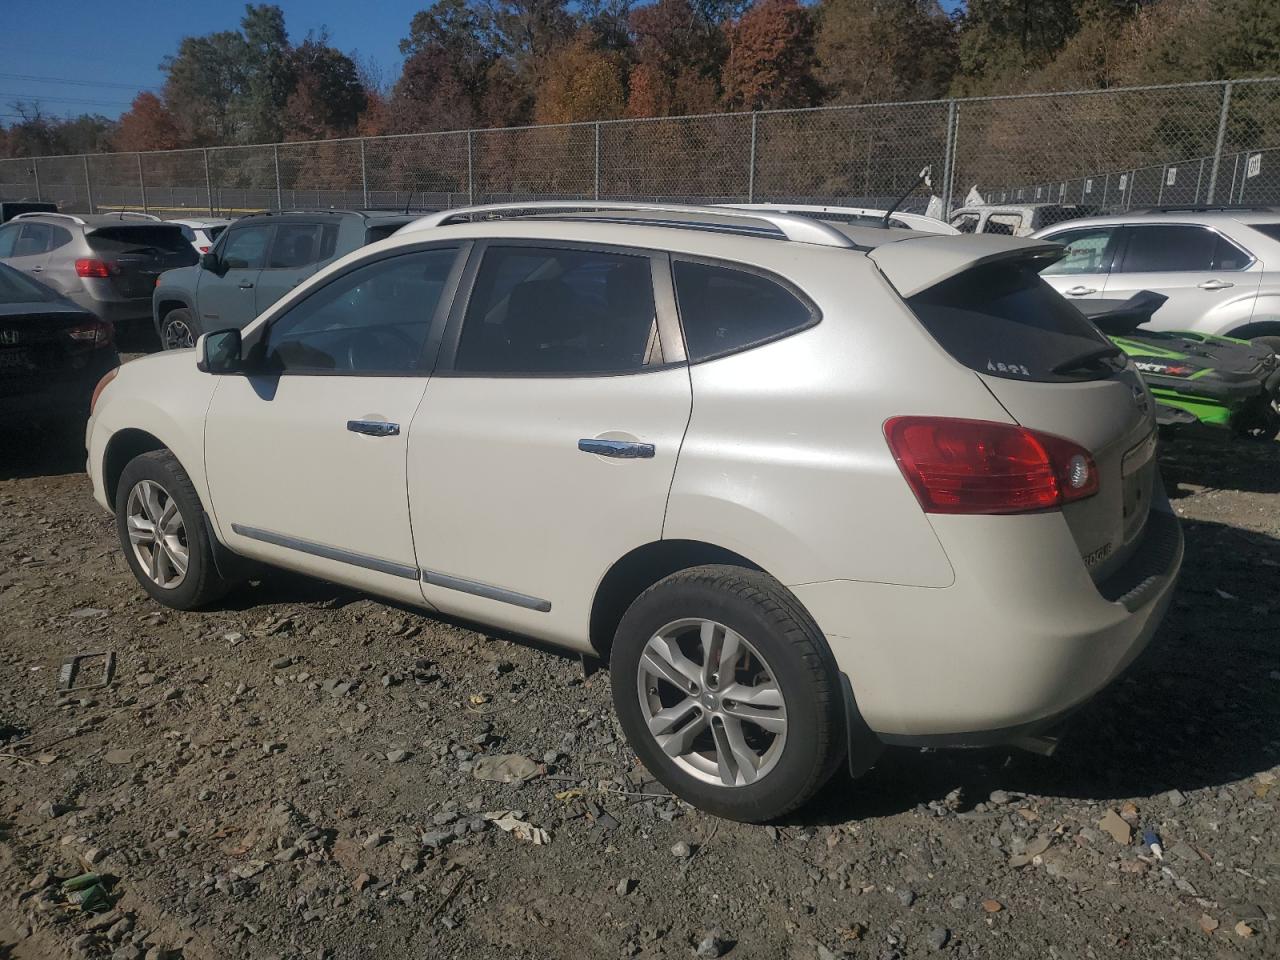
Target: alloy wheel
157,533
177,335
711,702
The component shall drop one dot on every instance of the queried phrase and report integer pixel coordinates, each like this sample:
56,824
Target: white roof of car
202,222
1171,215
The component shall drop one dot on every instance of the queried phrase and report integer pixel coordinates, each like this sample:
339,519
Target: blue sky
76,57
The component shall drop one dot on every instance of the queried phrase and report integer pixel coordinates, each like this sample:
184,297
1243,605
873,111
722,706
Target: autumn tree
679,56
771,58
328,96
429,95
872,51
147,125
580,82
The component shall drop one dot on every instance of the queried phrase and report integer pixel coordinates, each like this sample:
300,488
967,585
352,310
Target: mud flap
864,747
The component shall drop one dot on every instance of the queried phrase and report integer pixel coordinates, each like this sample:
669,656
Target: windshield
16,288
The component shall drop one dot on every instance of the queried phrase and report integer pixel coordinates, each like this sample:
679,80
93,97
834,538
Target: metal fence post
364,175
35,172
471,177
88,183
1222,135
275,153
142,185
208,182
949,158
751,160
597,175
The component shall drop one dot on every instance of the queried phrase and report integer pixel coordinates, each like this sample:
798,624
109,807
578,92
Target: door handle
1080,291
1215,285
37,269
622,449
374,428
246,284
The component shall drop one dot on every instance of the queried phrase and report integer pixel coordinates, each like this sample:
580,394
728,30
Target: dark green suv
256,261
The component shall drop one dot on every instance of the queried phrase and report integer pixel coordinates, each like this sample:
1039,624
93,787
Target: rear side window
726,309
1174,248
1001,319
537,310
1085,253
295,245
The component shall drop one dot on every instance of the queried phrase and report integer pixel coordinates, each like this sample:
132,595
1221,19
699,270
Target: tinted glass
34,239
187,233
295,245
723,309
372,320
214,232
16,287
1086,249
1227,256
381,232
1003,320
58,237
1271,230
150,239
545,311
1168,248
246,247
8,237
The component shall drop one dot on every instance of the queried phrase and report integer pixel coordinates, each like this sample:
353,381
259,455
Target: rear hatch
1048,366
136,253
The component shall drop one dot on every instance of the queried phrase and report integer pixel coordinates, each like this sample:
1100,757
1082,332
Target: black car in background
53,352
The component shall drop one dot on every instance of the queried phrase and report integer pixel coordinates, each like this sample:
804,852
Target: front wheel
178,330
728,693
161,526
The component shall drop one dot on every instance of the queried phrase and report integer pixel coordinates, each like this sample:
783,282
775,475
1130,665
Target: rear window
381,231
1001,319
214,232
157,239
1271,230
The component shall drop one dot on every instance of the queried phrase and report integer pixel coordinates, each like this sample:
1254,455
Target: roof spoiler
914,265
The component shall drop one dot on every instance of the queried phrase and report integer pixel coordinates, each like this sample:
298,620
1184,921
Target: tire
178,330
151,486
777,640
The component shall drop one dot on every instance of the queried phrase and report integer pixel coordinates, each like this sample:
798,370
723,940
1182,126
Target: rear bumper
116,311
1022,637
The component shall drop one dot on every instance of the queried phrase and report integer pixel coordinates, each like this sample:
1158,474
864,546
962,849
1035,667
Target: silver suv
106,263
1220,268
806,489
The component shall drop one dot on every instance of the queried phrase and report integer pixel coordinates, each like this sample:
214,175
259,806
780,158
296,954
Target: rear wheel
178,330
726,690
162,529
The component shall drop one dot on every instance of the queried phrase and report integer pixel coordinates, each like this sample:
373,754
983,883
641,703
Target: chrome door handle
246,284
623,449
374,428
1215,285
1080,291
37,269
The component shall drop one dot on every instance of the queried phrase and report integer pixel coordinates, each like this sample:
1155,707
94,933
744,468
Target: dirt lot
295,775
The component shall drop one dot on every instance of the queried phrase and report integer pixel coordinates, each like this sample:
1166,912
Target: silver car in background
1219,267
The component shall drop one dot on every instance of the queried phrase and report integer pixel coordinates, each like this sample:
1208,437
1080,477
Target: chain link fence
1117,149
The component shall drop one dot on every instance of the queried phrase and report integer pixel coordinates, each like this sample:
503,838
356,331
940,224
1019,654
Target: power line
37,98
77,83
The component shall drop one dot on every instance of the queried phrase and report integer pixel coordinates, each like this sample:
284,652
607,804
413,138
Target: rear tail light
102,385
87,267
91,333
205,249
976,466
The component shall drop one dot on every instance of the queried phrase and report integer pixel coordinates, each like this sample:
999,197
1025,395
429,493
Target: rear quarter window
1002,320
725,309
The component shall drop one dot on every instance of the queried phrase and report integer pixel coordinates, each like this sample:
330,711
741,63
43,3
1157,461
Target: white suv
807,490
1218,267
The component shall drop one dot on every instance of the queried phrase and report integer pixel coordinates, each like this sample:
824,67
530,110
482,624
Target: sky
112,51
75,57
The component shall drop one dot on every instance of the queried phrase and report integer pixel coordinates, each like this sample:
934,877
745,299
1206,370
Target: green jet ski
1195,377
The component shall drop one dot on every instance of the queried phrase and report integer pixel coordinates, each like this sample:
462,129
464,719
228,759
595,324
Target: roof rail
794,228
1208,208
47,213
134,213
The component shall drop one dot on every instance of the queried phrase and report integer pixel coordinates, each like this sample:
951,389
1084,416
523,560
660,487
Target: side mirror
219,352
209,261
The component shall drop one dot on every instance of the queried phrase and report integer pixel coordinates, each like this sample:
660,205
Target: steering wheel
382,348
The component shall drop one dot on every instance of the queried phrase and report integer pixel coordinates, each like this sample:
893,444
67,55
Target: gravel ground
299,774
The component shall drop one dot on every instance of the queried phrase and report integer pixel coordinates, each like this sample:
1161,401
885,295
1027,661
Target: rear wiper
1087,358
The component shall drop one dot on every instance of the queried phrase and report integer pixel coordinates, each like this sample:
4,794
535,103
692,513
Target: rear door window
1168,248
550,310
295,245
1087,251
726,309
1002,320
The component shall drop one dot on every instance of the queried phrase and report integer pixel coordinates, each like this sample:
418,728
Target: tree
268,71
147,125
206,80
680,54
1001,42
429,95
771,58
878,50
580,82
328,96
